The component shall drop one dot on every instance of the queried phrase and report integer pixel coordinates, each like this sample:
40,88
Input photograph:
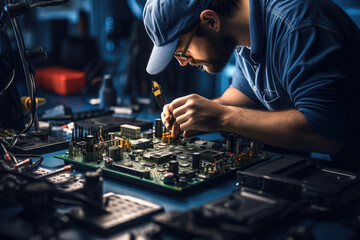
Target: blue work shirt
304,55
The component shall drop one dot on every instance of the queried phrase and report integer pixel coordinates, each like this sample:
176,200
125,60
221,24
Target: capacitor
158,128
114,153
109,162
101,138
81,133
147,173
196,162
82,146
182,180
97,152
254,147
121,155
238,148
90,141
111,136
169,178
174,167
230,142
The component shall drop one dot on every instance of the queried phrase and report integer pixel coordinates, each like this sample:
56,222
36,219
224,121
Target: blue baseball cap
165,21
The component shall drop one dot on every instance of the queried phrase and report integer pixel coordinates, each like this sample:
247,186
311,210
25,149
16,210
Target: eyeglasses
181,55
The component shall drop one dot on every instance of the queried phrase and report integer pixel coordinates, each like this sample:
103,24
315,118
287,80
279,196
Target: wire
9,83
36,164
25,176
29,79
15,139
13,158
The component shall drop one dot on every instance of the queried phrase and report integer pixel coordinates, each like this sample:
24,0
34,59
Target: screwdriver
160,98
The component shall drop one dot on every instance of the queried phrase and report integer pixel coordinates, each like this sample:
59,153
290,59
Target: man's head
189,30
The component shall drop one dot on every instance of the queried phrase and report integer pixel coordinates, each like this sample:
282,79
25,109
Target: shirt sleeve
240,82
311,63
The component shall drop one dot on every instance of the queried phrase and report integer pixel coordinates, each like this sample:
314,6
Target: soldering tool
160,98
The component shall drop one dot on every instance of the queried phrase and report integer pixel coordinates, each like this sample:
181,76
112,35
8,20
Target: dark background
108,36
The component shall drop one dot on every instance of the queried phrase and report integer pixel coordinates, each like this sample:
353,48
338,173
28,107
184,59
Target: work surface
319,228
339,225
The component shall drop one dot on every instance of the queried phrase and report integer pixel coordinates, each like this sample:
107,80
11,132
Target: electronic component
169,178
230,142
41,192
61,178
121,212
107,93
174,167
149,161
296,178
196,161
243,214
93,187
36,143
130,131
141,143
158,128
160,157
111,123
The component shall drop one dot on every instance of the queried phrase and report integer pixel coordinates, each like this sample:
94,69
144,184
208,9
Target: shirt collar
256,28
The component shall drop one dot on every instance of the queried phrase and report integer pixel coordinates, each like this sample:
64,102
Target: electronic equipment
120,212
111,123
33,143
76,116
296,178
32,197
38,144
273,194
244,214
157,161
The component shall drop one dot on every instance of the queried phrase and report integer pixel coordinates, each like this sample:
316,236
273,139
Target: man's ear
210,19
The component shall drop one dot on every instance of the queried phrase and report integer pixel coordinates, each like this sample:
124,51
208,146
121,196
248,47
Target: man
295,83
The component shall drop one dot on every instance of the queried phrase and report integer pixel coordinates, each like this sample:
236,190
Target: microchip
211,155
160,157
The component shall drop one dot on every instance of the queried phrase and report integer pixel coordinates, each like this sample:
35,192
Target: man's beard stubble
221,47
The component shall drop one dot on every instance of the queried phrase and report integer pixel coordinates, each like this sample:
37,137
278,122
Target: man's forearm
287,129
234,97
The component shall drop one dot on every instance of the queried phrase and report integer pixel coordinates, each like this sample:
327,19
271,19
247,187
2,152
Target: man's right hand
167,119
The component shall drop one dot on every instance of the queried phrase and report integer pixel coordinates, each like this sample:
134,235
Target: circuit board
161,163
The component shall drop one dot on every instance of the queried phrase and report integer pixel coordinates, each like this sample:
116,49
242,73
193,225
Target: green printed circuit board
158,162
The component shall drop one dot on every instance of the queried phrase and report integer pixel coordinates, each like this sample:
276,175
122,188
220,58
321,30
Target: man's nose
184,62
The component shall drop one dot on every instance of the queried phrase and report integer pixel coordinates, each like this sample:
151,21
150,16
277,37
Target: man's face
208,50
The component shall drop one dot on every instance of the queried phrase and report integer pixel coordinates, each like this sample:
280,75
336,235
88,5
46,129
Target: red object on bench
60,80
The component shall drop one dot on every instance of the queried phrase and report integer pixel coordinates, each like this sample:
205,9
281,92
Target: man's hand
193,113
167,119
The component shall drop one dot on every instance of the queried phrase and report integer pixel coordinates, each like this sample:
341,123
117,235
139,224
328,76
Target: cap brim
160,57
